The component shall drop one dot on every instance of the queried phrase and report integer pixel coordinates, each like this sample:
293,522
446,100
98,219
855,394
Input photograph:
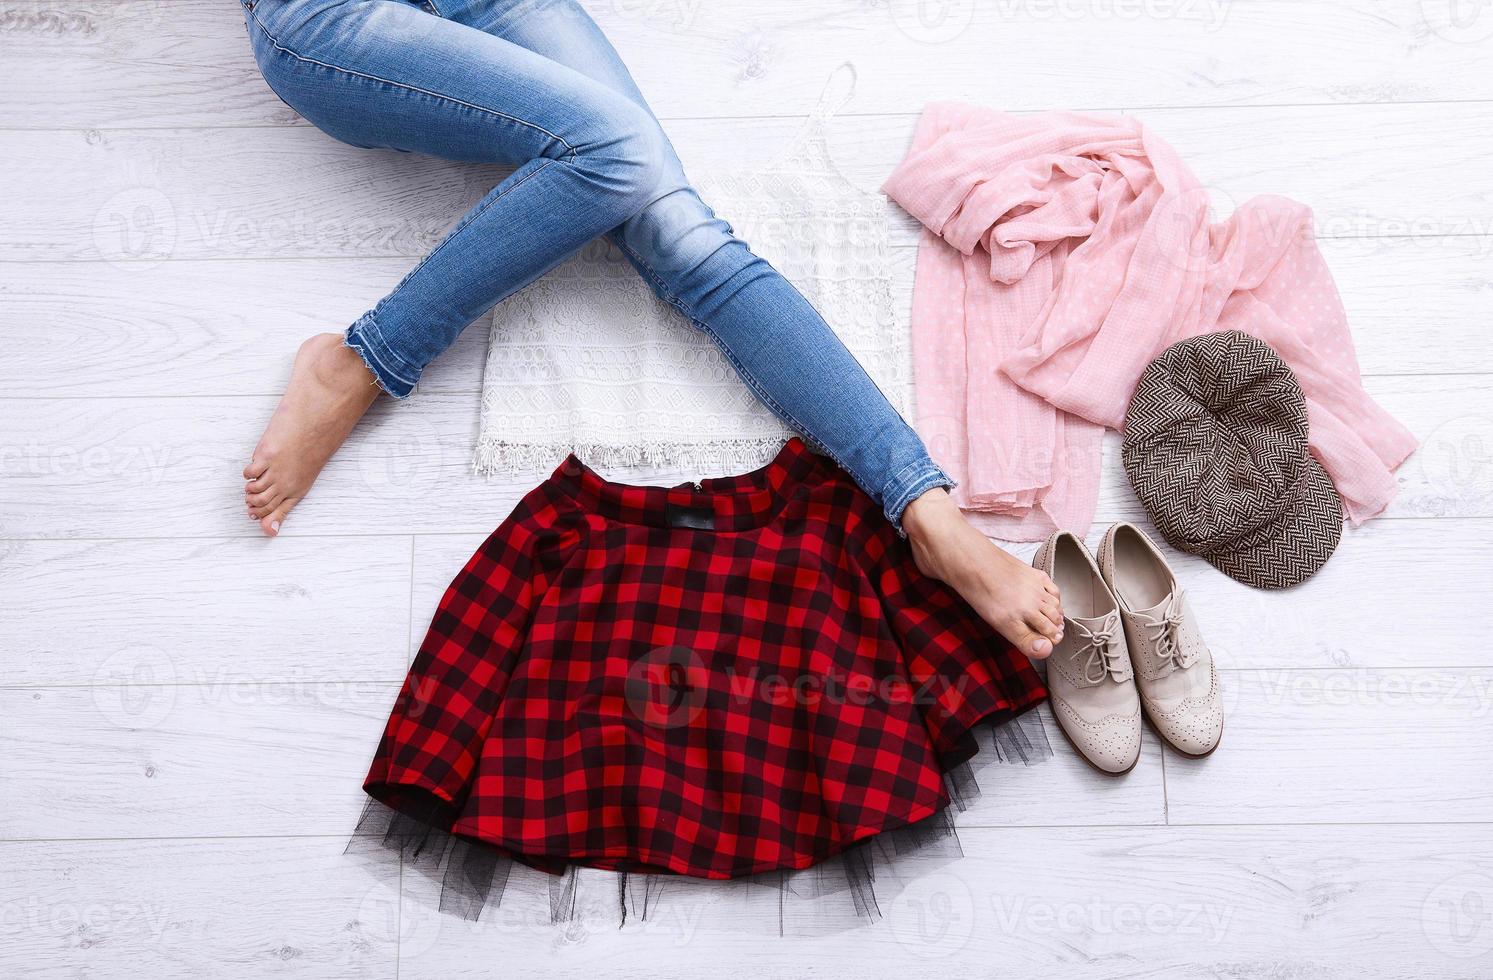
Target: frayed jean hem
388,369
910,483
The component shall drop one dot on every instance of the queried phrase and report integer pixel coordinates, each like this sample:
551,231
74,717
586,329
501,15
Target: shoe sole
1079,752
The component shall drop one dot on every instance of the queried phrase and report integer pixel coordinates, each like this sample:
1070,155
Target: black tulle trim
473,875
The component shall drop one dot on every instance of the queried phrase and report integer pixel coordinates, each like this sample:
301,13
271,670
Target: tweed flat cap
1215,448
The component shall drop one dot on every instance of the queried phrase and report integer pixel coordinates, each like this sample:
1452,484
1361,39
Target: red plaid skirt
714,679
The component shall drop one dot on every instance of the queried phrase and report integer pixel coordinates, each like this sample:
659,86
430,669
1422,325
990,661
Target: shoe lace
1098,653
1165,633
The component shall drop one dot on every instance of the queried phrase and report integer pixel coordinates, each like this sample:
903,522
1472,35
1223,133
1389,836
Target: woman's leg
774,337
590,155
386,73
781,346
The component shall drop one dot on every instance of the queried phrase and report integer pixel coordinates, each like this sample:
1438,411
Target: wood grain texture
167,760
282,758
1174,902
194,328
151,195
154,63
1412,620
198,907
1414,303
1344,746
229,327
408,470
235,757
214,612
1375,604
186,709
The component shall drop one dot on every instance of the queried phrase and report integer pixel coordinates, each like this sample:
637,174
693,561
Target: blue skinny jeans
534,84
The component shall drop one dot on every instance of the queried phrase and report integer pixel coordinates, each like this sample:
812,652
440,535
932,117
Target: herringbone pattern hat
1215,448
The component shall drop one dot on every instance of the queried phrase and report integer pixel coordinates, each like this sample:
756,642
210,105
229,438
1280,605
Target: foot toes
1042,626
255,469
1028,640
270,523
265,501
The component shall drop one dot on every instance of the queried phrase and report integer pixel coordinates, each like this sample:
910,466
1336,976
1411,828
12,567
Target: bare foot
330,389
1018,600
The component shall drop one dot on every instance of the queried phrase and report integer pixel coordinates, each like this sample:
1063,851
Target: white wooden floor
186,709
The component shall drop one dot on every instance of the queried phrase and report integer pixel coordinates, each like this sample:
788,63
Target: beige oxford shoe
1090,682
1174,669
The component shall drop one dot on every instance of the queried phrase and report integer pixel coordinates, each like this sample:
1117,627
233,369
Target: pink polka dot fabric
1061,253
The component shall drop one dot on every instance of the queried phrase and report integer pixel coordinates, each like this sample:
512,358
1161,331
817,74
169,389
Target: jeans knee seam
935,475
772,403
466,220
656,279
372,315
767,399
571,150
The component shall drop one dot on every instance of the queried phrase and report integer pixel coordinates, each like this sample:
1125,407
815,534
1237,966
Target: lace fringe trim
496,457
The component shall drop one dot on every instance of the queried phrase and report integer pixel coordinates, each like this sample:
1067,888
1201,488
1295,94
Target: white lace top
588,360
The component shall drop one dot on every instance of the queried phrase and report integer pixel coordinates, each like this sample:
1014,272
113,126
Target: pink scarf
1061,253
